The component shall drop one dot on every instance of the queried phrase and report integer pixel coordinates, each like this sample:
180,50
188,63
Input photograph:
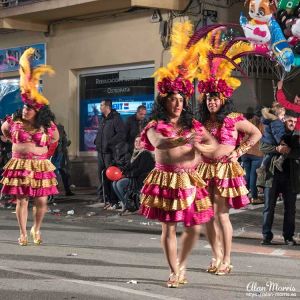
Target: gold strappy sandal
182,275
224,269
214,265
173,281
36,236
22,240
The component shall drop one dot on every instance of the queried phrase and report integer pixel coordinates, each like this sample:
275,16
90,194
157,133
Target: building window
126,87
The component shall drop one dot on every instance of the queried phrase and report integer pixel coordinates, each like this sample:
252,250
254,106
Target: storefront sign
130,107
9,58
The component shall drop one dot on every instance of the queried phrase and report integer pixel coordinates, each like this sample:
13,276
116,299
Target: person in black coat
137,169
286,182
110,133
61,160
134,126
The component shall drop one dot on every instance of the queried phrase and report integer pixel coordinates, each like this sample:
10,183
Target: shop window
10,99
127,88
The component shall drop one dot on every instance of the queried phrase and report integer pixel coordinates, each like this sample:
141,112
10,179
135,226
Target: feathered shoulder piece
178,75
29,80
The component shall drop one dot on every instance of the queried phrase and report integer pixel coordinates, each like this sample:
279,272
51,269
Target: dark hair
159,112
43,117
141,107
290,113
226,109
257,110
108,103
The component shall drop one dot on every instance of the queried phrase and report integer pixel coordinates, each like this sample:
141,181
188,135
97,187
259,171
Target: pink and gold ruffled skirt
172,194
30,175
228,178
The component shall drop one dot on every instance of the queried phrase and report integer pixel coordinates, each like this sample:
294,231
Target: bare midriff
221,151
182,157
24,148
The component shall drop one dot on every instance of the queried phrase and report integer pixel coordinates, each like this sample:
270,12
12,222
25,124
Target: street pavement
95,254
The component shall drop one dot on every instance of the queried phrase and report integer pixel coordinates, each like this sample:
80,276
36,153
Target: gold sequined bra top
168,130
224,132
20,135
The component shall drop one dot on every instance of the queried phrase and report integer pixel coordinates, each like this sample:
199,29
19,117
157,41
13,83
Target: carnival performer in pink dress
221,170
173,191
29,173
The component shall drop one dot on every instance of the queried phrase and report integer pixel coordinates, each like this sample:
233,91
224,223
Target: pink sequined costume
173,194
227,177
29,174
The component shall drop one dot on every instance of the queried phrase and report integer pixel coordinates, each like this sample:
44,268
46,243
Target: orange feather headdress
29,80
179,73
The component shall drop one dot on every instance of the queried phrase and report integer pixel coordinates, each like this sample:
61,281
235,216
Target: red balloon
113,173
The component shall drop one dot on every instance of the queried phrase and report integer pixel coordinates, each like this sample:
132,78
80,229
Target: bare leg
169,244
222,212
214,238
188,239
39,211
22,215
34,212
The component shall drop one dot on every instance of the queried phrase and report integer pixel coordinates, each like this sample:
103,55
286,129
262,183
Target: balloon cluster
288,16
274,30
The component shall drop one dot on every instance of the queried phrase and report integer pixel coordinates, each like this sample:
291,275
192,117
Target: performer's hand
233,156
280,84
194,138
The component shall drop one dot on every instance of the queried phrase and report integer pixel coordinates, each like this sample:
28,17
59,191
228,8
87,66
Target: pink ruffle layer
29,191
230,182
189,216
237,182
238,202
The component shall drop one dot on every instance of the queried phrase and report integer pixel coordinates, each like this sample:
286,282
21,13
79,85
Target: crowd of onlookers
118,143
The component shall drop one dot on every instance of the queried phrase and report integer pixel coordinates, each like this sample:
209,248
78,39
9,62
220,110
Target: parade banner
9,58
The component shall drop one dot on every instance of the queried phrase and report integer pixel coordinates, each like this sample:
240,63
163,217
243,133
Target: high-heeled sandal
22,240
214,265
224,269
182,275
107,206
173,281
36,236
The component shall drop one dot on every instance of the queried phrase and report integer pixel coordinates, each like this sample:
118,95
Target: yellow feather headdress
217,60
29,80
179,73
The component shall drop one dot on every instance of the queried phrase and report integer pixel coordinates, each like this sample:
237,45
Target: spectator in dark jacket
121,156
135,125
110,133
61,161
139,166
286,182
